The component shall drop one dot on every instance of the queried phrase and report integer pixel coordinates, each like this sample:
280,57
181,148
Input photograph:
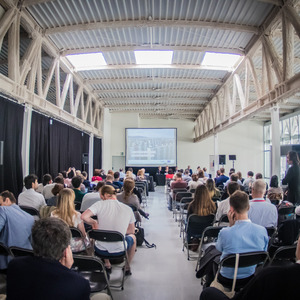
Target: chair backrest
192,191
196,224
185,201
246,259
88,263
180,195
92,269
215,199
17,251
285,253
4,250
223,219
288,232
105,235
30,210
286,210
77,205
271,231
76,232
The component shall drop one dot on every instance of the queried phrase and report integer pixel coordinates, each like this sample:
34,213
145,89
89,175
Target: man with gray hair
262,212
47,274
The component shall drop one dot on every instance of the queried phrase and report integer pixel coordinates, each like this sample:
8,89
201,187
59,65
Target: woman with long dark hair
292,178
202,205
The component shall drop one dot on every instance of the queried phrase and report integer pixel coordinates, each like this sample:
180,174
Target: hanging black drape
39,145
11,126
97,153
67,145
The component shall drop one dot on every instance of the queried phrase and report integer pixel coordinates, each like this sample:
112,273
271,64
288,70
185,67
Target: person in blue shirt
15,225
241,236
222,178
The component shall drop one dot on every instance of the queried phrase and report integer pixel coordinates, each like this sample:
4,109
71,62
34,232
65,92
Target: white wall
245,140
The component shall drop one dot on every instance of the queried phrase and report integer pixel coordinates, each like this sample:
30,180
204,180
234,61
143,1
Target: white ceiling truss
36,35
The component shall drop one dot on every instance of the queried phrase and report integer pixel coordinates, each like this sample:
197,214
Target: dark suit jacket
37,278
292,179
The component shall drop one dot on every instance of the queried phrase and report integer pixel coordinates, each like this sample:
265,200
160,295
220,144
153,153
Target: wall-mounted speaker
232,157
85,158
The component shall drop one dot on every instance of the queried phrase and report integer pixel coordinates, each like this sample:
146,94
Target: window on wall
289,135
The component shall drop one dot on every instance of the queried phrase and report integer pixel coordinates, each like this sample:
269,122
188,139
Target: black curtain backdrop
11,125
39,145
67,145
97,153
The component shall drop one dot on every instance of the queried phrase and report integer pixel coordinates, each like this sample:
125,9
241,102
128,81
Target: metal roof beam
172,66
161,80
155,100
152,23
151,47
200,91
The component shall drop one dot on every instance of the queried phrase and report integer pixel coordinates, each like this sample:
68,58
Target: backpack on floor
140,238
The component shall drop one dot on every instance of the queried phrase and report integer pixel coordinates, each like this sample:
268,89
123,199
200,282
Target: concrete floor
164,272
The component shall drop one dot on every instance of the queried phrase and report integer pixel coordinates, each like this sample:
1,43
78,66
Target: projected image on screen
151,146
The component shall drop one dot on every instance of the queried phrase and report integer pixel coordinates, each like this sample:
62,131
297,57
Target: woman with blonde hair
202,205
212,190
66,211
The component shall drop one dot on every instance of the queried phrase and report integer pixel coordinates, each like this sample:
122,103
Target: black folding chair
223,219
176,203
111,237
17,251
76,233
93,270
194,229
184,203
241,260
30,210
284,255
286,213
209,237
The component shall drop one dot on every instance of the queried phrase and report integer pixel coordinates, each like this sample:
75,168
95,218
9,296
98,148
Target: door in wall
118,162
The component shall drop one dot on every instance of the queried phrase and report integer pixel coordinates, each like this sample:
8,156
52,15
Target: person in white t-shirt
115,216
30,197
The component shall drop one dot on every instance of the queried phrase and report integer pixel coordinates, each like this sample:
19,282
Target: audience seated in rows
272,282
233,177
116,216
132,174
90,198
222,178
55,191
76,183
15,225
49,268
66,211
117,181
178,183
46,186
224,206
194,182
186,176
201,178
129,198
248,182
275,192
241,236
122,174
109,181
202,204
30,197
212,190
262,212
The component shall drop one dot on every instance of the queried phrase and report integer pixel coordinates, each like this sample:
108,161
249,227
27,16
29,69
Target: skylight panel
87,61
221,60
150,57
